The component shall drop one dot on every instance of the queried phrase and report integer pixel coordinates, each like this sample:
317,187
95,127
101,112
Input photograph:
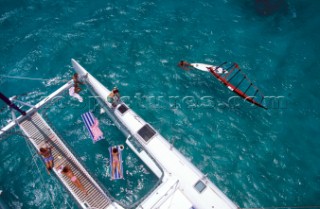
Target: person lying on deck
47,157
66,170
116,162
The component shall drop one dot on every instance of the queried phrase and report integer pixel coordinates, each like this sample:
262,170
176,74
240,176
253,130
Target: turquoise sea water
258,158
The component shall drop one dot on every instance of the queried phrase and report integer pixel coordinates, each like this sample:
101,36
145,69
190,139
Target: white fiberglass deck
183,185
176,167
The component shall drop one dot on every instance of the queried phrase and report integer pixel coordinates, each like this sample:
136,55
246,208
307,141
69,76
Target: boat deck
40,134
183,185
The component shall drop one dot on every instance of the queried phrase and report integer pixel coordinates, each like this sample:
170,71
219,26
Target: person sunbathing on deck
115,162
66,170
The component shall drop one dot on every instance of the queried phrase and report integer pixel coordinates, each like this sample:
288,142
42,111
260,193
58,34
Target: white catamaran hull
183,186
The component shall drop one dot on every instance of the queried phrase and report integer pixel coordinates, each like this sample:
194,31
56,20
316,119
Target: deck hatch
146,132
200,186
122,108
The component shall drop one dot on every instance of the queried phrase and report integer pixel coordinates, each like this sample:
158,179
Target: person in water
114,97
47,157
115,161
66,170
184,65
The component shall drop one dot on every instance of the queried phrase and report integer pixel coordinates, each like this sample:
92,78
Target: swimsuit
48,159
73,178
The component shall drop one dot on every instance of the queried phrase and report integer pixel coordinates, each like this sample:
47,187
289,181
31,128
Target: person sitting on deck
47,157
115,161
184,65
66,170
114,97
76,79
74,91
76,83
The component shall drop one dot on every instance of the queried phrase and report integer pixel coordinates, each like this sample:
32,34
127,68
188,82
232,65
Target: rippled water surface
259,158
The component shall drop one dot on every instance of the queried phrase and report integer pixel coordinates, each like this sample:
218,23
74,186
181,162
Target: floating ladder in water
40,133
